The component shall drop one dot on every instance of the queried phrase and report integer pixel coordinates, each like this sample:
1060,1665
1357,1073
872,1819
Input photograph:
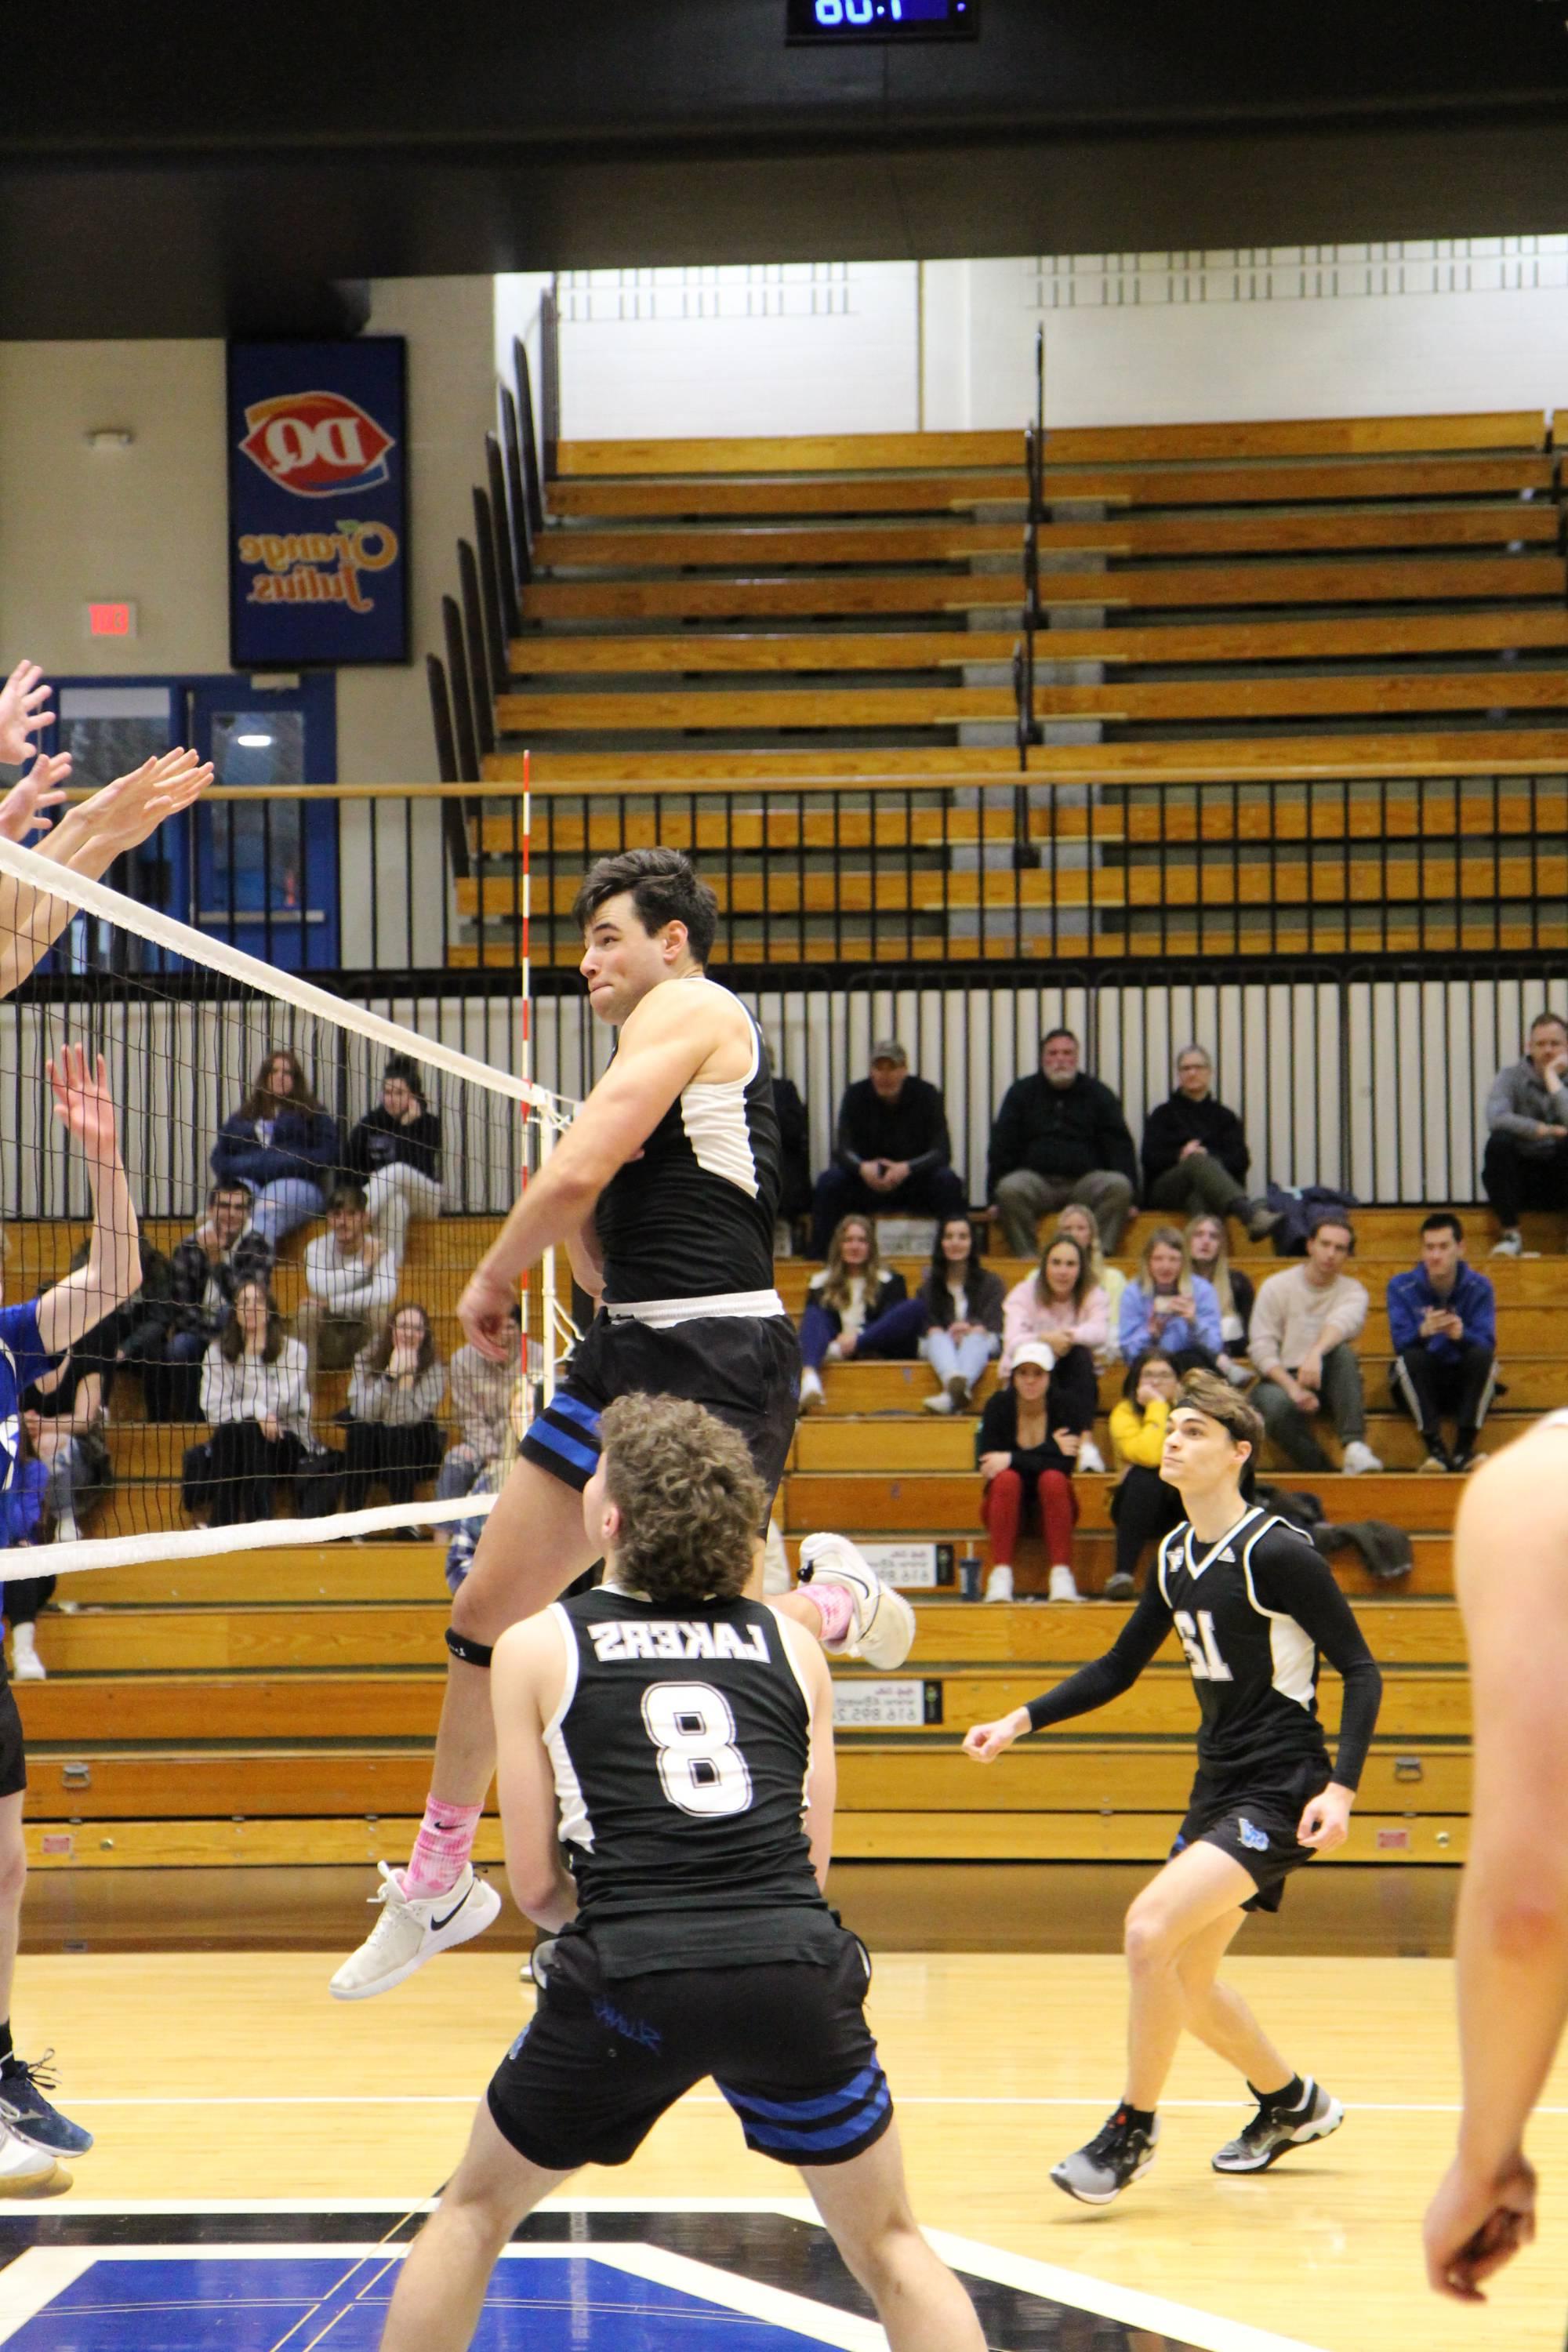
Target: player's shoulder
1273,1546
689,1007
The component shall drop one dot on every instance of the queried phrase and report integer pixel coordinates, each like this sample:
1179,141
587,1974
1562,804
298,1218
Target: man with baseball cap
892,1155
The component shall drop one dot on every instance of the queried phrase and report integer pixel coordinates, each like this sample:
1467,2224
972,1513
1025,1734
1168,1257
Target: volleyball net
311,1181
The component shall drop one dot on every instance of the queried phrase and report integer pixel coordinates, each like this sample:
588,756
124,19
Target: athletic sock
835,1607
1284,2102
445,1842
1140,2119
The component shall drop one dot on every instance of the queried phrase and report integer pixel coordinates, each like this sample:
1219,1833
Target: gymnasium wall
897,346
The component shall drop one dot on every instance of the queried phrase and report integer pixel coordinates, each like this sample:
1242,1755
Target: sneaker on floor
1091,1458
30,2117
1118,2155
1359,1458
1510,1244
1274,2132
1063,1585
1261,1220
26,1666
810,1390
883,1630
1461,1462
1438,1457
940,1402
29,2171
1120,1587
999,1584
412,1930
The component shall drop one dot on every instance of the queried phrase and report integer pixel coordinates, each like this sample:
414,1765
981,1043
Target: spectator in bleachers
892,1155
63,1414
283,1145
1025,1452
1079,1226
795,1151
256,1394
394,1395
962,1305
1526,1162
351,1279
1167,1306
1304,1322
1142,1507
1195,1155
1060,1135
1442,1318
1062,1309
25,1526
481,1400
854,1291
395,1154
168,1340
1207,1255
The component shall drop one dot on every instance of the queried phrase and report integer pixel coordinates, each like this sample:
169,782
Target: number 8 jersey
680,1750
1254,1613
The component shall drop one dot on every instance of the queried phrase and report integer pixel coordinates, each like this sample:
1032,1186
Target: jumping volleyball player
665,1193
1253,1605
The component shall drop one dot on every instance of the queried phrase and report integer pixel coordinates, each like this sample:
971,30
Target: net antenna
185,1023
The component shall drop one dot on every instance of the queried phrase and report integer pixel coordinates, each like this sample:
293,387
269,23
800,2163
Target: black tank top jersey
695,1216
680,1751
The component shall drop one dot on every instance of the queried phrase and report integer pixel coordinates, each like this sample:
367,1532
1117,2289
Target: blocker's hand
125,812
1473,2226
484,1311
22,810
22,712
83,1104
1326,1821
987,1742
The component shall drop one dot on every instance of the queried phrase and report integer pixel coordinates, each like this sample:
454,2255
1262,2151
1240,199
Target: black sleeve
1289,1576
1232,1152
1115,1145
1106,1678
845,1153
356,1157
1006,1148
996,1426
1160,1143
935,1143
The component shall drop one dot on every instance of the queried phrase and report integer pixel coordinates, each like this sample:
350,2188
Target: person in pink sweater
1066,1310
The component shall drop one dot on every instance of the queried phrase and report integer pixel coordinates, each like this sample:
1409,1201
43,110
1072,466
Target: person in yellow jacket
1143,1507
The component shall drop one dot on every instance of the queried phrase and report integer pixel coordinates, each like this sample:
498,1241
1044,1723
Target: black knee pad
472,1653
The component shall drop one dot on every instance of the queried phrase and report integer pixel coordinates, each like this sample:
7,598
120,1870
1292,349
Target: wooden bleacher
276,1707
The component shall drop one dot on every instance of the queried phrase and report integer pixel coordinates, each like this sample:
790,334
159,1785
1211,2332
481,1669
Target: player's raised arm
527,1677
113,1270
1511,1946
1093,1685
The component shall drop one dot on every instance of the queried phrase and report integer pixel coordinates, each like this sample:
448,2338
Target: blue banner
318,503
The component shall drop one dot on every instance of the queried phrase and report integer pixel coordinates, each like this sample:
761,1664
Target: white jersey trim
664,1312
575,1828
714,1119
1293,1648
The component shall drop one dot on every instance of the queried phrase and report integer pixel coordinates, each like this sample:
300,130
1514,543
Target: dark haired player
657,1739
1253,1605
665,1192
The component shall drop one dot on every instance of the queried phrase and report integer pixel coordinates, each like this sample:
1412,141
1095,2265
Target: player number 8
693,1727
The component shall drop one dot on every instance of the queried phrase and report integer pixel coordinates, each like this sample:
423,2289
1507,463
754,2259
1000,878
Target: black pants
401,1455
1144,1508
24,1596
930,1192
1515,1180
246,1465
1430,1386
1072,1392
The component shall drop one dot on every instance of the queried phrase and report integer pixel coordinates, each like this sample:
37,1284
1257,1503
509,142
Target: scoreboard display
882,20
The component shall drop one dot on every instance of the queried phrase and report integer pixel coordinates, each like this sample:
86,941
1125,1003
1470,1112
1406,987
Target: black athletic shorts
13,1759
787,2043
744,1368
1256,1827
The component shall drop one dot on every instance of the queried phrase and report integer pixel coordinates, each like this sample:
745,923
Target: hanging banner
318,503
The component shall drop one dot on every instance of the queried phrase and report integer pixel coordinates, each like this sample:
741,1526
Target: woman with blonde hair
1169,1308
1207,1255
845,1301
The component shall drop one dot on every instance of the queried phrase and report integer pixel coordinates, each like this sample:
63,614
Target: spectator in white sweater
1303,1324
351,1279
256,1394
394,1395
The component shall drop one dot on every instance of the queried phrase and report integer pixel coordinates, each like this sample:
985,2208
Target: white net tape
274,1352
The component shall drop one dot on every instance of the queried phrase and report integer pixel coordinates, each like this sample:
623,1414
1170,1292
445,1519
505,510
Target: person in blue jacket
283,1145
1168,1306
1442,1318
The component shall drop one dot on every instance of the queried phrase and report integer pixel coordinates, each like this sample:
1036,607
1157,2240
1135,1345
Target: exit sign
110,620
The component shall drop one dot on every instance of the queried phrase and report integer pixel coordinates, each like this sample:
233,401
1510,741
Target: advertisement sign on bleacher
318,503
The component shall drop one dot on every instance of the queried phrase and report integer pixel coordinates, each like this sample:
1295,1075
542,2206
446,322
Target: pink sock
835,1607
445,1842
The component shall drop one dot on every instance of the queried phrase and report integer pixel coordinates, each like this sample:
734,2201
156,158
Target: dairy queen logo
316,443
